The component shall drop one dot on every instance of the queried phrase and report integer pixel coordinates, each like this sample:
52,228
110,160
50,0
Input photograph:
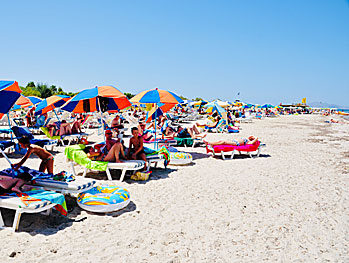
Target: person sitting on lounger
235,142
135,149
47,158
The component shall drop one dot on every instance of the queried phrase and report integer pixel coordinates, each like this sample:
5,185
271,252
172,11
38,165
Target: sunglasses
108,133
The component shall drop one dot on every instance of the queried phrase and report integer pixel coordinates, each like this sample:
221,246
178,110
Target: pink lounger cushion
242,148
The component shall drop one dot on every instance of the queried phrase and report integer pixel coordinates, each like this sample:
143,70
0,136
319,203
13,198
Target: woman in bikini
47,158
235,142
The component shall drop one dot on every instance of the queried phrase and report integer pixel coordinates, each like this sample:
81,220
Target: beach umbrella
223,104
100,99
22,102
50,104
34,99
157,96
9,94
267,106
213,106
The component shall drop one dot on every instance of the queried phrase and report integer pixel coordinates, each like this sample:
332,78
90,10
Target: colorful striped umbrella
9,94
34,99
51,103
157,96
104,98
22,102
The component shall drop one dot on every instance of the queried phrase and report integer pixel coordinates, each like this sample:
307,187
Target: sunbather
8,184
235,142
47,158
135,149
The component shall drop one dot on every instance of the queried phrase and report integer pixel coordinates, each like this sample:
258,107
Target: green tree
45,92
183,98
129,95
198,99
31,84
30,91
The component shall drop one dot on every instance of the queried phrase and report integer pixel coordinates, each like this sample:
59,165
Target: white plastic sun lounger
129,165
77,186
15,203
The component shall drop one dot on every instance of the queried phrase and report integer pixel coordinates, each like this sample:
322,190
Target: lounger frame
33,208
252,154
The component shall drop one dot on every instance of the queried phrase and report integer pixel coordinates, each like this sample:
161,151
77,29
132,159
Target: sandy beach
288,205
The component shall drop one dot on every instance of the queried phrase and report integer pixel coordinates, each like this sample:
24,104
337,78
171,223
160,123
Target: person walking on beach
47,158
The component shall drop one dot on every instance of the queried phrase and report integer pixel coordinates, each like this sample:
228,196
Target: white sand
289,205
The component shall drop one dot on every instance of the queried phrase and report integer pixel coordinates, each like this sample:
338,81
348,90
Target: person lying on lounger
235,142
47,158
189,132
8,184
135,149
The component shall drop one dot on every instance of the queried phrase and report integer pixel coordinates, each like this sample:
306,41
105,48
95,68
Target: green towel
184,141
45,130
76,153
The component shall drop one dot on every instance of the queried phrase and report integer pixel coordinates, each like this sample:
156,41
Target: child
45,156
135,149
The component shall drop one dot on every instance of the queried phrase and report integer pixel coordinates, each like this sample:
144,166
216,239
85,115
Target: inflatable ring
104,199
180,158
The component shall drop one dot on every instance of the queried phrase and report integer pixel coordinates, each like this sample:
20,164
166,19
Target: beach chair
69,137
253,150
31,202
24,131
76,156
7,145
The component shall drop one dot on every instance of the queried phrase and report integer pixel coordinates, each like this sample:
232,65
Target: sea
346,111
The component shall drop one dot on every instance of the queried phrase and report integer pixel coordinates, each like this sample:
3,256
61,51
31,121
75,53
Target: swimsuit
48,158
245,141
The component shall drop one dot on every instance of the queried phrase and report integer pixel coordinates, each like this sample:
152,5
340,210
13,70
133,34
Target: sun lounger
24,131
31,202
69,137
231,150
7,145
76,155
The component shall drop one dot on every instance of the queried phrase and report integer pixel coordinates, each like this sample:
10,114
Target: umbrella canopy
223,104
9,94
213,106
198,103
267,106
153,114
51,103
22,102
157,96
104,98
34,99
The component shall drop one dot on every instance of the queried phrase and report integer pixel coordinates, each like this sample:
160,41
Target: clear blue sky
269,51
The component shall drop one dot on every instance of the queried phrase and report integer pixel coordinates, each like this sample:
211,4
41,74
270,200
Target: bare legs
113,154
46,165
15,183
194,132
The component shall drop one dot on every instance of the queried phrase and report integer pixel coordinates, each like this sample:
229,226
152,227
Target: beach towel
163,151
28,174
184,141
76,154
36,195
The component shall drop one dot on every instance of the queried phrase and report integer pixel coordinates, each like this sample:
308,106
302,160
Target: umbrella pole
156,143
55,113
100,112
9,124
